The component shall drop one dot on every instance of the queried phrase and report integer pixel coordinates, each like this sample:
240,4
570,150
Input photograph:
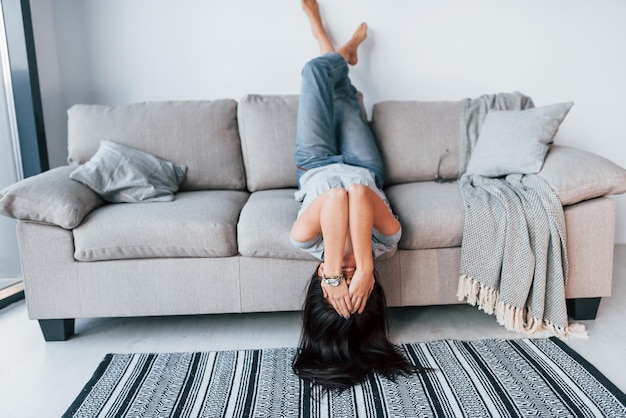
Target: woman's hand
361,286
338,297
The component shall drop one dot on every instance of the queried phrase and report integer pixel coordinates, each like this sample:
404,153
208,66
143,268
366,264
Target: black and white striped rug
485,378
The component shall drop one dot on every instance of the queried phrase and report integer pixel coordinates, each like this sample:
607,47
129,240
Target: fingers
339,298
358,303
363,303
342,305
360,292
347,306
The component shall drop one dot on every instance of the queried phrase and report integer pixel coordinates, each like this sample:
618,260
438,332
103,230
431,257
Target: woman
345,221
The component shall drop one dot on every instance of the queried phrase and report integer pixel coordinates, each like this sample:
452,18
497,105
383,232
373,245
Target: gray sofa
222,246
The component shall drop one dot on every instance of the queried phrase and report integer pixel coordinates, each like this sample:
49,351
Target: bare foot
349,50
312,10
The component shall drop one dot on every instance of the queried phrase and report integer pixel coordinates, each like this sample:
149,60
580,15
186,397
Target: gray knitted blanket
513,255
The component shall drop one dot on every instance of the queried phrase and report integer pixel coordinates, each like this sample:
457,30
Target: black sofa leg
57,329
583,308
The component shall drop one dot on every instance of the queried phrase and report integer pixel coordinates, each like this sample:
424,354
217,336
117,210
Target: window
22,137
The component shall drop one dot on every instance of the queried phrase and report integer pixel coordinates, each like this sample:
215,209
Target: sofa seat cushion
195,224
265,223
431,214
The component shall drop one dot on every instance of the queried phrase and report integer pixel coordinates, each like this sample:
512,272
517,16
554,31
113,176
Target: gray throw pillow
516,141
123,174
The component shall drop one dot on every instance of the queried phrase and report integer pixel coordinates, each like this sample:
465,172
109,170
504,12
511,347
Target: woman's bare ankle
312,10
349,50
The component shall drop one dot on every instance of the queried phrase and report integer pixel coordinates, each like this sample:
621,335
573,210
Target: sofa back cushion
419,141
267,125
203,135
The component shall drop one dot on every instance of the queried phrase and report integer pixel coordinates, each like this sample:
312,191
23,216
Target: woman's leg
312,10
329,109
330,127
316,144
366,210
315,137
356,141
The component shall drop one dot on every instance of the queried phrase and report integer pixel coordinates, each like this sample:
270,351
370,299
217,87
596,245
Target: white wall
120,51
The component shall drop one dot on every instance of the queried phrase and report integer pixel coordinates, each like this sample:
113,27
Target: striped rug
485,378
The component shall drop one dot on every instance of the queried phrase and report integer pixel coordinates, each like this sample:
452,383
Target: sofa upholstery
222,246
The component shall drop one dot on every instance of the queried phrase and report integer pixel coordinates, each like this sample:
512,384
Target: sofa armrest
50,197
578,175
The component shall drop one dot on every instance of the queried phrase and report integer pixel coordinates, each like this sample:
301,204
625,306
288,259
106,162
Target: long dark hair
338,353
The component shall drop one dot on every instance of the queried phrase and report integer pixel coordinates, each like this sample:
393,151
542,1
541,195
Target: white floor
39,379
7,282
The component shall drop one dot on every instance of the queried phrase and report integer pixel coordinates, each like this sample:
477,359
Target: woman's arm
366,211
328,215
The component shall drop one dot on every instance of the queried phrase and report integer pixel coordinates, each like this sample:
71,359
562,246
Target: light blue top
316,181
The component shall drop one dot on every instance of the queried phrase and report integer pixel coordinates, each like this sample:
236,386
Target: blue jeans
330,127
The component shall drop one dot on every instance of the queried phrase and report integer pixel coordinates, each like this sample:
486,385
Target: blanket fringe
512,318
